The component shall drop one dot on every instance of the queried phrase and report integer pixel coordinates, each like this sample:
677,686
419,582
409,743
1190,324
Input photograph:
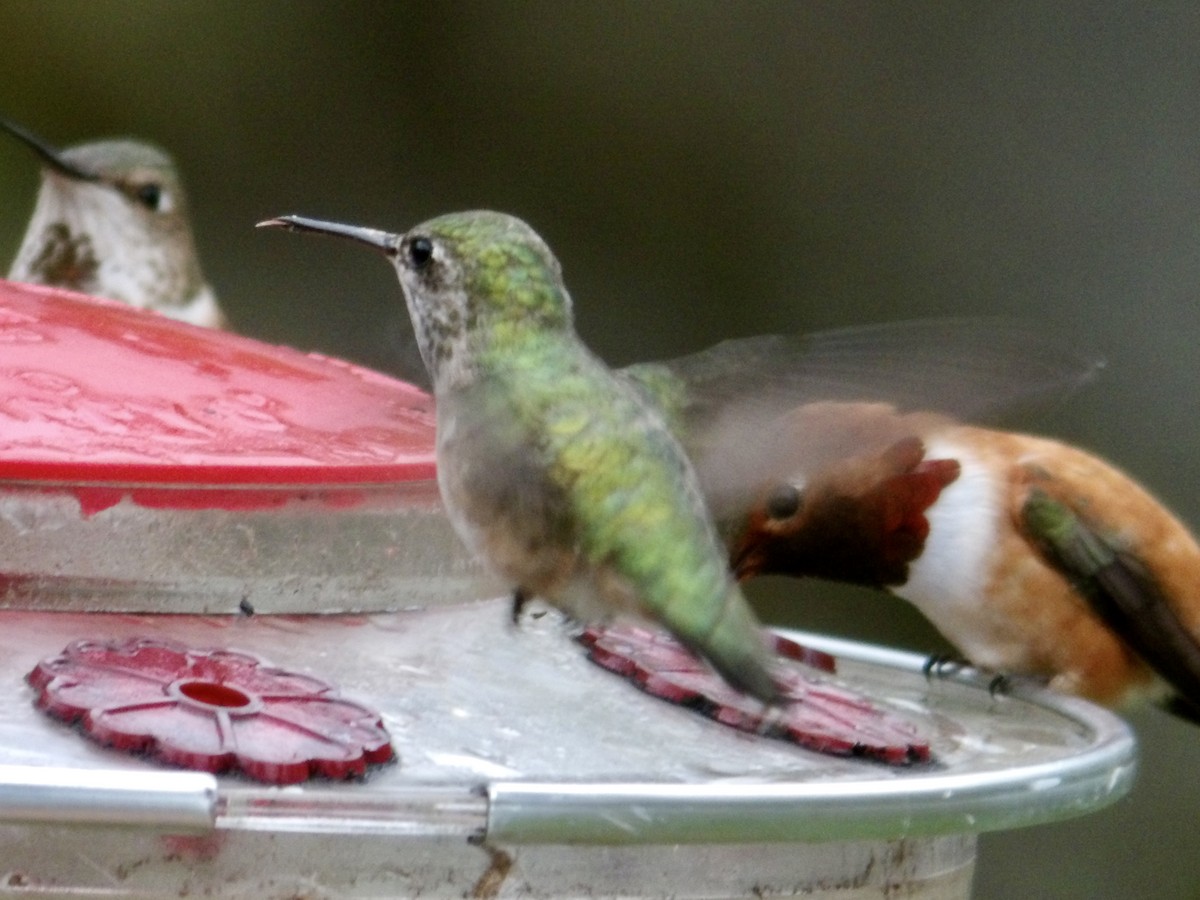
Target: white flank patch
946,581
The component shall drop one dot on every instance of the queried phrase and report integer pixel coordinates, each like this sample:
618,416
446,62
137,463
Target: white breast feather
947,580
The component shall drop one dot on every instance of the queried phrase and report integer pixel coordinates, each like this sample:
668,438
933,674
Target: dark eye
149,195
783,502
420,252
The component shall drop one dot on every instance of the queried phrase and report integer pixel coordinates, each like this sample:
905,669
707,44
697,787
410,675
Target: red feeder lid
97,392
152,466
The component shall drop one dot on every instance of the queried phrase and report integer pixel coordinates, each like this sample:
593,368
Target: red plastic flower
820,715
213,710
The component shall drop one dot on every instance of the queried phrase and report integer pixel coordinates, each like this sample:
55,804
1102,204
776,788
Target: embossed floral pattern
820,715
213,710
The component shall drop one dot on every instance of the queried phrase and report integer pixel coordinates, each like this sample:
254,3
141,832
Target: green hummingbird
562,475
111,220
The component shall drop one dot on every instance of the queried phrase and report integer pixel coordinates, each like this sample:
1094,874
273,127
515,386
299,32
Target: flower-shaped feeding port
819,714
214,710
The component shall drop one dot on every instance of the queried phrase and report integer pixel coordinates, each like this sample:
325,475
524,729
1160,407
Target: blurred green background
706,170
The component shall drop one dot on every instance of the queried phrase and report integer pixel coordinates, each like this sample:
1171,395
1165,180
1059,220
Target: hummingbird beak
49,155
381,240
745,560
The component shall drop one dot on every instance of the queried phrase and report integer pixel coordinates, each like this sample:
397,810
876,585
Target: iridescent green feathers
559,473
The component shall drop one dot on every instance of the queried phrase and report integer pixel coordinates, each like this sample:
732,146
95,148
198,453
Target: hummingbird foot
520,600
997,684
944,665
1000,685
520,603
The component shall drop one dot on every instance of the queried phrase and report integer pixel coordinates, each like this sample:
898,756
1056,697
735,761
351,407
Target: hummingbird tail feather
736,647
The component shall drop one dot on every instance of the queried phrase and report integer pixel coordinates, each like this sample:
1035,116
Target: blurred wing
755,410
965,368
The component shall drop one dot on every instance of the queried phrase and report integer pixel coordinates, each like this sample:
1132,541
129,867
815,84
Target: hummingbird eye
784,501
420,252
150,195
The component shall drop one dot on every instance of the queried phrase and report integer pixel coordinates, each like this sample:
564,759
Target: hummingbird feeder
179,506
185,468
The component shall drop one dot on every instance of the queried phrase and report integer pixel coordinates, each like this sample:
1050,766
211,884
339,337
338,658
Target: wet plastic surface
577,782
473,704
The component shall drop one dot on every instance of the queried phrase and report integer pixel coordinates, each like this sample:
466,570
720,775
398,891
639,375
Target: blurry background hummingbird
111,220
559,474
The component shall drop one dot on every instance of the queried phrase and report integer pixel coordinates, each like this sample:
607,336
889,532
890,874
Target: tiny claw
1000,685
520,601
943,665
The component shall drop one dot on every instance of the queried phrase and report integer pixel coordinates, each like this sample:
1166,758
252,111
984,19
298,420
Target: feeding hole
210,693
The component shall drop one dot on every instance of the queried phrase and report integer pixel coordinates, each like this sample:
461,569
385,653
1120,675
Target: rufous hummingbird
111,220
560,474
1032,557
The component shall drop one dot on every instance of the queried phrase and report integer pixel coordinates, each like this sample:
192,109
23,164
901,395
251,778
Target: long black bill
372,237
51,156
